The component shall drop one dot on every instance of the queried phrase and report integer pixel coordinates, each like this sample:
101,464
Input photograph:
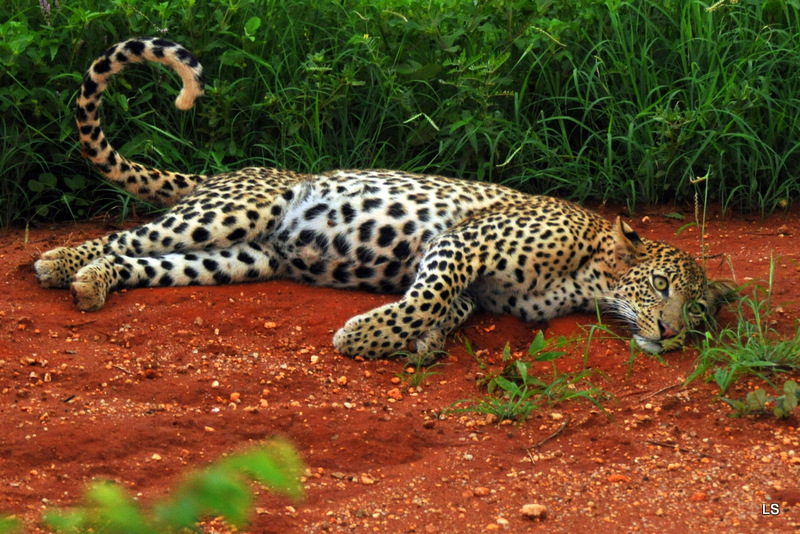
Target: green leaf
66,520
251,27
48,179
220,490
675,215
277,467
537,344
108,509
522,369
507,385
35,186
75,183
506,352
233,58
548,356
756,400
739,406
684,227
722,377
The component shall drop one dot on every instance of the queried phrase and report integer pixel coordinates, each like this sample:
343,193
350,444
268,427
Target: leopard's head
661,293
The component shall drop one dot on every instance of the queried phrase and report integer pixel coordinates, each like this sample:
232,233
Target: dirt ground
165,380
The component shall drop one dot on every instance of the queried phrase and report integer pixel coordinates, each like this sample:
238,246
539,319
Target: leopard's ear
628,246
721,291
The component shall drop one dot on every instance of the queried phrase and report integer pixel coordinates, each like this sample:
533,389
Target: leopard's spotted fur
450,246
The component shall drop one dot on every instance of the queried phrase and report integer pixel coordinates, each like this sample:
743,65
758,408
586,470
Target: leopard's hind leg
173,232
228,209
242,262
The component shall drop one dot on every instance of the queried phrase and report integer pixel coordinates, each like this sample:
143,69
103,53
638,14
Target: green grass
620,101
514,391
752,346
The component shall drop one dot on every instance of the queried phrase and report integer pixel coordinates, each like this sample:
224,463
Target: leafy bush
222,489
616,100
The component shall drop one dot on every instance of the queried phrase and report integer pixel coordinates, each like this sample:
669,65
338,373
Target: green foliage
616,100
417,370
9,526
514,392
220,490
756,402
751,346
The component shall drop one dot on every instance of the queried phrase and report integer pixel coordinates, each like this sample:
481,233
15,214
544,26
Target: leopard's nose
665,330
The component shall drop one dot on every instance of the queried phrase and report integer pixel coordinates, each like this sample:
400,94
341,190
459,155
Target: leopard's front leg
401,326
436,303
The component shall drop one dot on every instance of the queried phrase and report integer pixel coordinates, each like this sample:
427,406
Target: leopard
448,246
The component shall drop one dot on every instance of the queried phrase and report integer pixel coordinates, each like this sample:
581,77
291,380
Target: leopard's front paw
90,287
55,268
387,330
429,343
369,335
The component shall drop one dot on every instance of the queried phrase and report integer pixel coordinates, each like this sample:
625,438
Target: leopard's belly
364,233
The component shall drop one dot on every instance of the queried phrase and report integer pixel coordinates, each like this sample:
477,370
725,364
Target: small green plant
513,392
471,352
417,369
220,490
756,402
751,346
537,352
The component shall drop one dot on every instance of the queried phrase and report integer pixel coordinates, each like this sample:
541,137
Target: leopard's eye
697,308
660,283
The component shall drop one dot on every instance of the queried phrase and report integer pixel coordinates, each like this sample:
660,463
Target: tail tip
186,98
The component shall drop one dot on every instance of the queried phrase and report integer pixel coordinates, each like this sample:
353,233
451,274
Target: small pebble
534,511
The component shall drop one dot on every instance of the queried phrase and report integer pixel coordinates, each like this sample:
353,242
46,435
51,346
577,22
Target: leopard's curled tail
162,187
